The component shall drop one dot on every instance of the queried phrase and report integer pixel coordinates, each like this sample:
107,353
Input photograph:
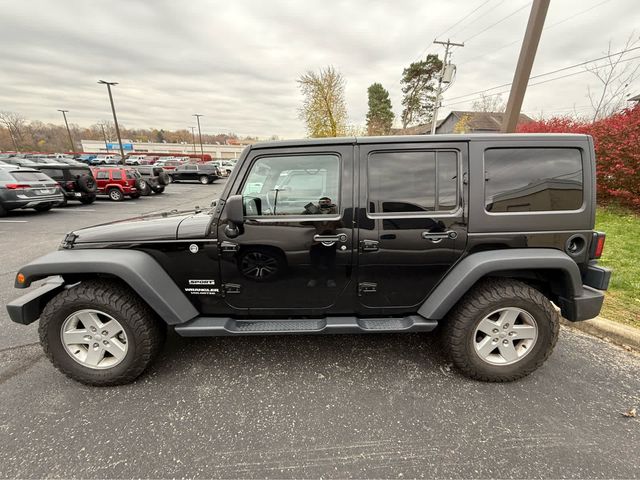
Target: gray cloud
237,62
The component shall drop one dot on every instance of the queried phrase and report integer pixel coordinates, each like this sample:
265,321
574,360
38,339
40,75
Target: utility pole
64,115
525,63
115,119
104,135
193,138
448,44
197,115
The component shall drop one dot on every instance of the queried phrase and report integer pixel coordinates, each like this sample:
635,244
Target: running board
221,326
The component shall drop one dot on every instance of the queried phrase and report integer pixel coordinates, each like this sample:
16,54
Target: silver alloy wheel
94,339
115,194
204,180
505,336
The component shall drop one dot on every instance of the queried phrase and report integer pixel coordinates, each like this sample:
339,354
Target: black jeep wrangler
155,179
76,181
488,237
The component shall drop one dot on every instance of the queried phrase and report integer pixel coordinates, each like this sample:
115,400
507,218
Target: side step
219,326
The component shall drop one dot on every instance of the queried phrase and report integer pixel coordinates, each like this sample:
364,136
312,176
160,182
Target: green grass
622,254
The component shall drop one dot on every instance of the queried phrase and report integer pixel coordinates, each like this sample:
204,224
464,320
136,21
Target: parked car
27,188
478,234
156,178
118,182
134,159
76,182
225,166
86,158
106,160
20,161
202,173
168,164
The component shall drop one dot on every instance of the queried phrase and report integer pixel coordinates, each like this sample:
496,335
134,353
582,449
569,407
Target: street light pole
104,135
64,115
197,115
193,138
115,119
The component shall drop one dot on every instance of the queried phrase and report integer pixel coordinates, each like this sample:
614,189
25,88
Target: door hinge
229,247
369,245
231,288
367,287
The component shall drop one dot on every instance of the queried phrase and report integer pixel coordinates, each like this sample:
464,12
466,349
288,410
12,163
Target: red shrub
617,144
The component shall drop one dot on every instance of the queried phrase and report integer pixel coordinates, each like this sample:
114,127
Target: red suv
117,182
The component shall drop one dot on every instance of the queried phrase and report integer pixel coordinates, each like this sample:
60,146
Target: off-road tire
143,187
87,184
43,208
116,197
3,212
88,200
487,296
164,178
145,333
159,189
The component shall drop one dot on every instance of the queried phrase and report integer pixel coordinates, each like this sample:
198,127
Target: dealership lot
301,406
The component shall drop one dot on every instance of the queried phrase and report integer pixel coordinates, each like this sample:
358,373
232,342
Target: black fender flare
137,269
477,265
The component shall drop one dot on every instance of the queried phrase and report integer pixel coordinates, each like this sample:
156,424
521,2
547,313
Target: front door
411,222
293,255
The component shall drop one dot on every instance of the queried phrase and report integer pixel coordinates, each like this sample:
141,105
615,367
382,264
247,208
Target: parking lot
301,406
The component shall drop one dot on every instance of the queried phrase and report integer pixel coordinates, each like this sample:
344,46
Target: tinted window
102,175
116,175
294,185
533,179
30,176
403,182
56,173
78,172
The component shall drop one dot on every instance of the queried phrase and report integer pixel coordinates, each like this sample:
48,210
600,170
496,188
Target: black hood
162,226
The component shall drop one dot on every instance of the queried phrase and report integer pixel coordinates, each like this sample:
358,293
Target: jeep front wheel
501,330
100,333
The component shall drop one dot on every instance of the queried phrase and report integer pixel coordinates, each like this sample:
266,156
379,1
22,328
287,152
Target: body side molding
477,265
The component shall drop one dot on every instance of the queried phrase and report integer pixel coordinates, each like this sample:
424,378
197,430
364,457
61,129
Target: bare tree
615,77
489,103
15,123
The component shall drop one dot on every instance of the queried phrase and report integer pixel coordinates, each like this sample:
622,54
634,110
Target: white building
129,146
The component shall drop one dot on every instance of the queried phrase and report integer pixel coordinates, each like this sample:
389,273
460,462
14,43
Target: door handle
439,236
340,237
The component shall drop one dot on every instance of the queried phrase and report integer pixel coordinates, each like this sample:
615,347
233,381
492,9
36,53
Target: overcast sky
237,62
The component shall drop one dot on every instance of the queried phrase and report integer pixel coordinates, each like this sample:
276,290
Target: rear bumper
588,305
33,201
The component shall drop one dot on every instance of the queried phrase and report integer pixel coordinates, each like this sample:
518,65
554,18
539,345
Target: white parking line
14,221
81,210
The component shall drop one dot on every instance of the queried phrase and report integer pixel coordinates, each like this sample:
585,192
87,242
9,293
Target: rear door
411,221
293,255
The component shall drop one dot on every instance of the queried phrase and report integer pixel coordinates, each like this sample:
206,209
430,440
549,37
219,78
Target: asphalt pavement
302,406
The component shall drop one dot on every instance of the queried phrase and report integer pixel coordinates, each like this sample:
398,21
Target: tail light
597,244
70,185
17,186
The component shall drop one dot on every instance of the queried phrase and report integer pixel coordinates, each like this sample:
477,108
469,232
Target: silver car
27,188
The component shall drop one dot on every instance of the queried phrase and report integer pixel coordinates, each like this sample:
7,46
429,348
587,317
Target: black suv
76,181
479,235
156,179
202,173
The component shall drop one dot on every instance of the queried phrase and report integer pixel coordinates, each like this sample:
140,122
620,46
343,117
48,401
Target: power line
499,21
549,73
570,17
464,27
538,83
464,18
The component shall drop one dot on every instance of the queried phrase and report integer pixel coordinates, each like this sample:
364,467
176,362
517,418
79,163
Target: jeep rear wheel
115,194
501,330
100,333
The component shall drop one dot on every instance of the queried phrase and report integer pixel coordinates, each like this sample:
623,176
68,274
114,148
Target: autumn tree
418,87
380,115
15,124
324,108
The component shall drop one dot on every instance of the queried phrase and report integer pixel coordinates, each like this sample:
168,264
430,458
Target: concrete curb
617,333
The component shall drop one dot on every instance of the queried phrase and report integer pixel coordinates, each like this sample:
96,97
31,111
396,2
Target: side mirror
235,209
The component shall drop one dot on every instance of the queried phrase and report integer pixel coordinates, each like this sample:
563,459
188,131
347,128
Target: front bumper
27,308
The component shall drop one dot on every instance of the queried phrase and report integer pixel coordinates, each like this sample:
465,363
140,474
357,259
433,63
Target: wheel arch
552,272
136,269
